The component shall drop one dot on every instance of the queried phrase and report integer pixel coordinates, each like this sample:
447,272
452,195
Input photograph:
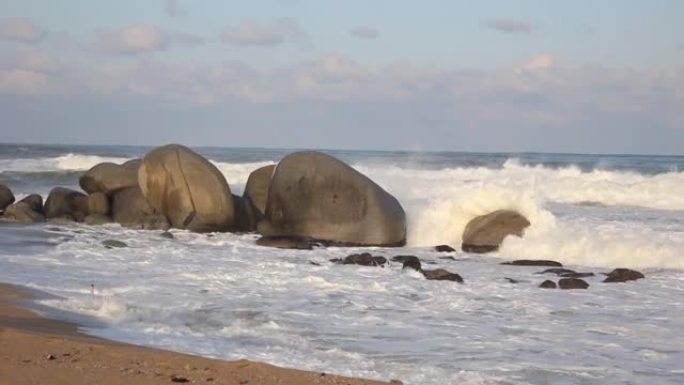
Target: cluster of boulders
570,279
310,198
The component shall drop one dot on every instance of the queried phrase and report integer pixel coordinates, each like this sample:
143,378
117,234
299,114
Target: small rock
577,275
444,249
511,280
533,262
557,271
411,262
314,263
286,242
442,275
113,243
179,379
548,285
50,357
166,234
403,258
449,257
623,275
364,259
572,283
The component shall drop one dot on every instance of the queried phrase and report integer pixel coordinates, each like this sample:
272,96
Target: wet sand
40,350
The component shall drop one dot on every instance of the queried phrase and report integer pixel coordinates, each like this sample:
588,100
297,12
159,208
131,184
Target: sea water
220,295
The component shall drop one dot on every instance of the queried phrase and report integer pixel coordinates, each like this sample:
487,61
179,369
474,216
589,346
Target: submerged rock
286,242
113,243
442,275
556,271
444,249
572,283
315,195
533,262
364,259
623,275
577,275
403,258
485,233
548,285
167,235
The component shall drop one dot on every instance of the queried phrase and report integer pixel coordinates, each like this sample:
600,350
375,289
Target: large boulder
6,197
187,189
108,177
98,203
256,192
66,204
131,209
315,195
27,210
485,233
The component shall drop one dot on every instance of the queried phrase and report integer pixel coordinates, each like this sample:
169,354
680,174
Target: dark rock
108,178
97,219
511,280
623,275
314,263
23,212
243,217
166,234
403,258
444,249
256,193
66,204
286,242
130,209
6,196
442,275
315,195
179,379
533,262
448,257
113,243
572,283
548,285
485,233
34,202
98,203
187,189
412,263
364,259
556,271
577,275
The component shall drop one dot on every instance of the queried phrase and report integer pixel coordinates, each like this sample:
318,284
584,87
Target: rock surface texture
315,195
187,189
485,233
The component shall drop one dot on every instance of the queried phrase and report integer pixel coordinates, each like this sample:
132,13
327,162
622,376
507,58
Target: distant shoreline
39,350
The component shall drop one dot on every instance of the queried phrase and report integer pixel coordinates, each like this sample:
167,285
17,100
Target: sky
529,75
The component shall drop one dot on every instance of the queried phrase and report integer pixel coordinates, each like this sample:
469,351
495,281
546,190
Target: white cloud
23,81
365,32
511,26
538,62
259,34
20,29
132,39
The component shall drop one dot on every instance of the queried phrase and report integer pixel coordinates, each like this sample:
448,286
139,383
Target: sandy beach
39,350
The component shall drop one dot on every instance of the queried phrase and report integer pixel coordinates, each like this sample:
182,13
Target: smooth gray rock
113,243
108,178
485,233
131,209
187,189
66,204
256,192
6,196
315,195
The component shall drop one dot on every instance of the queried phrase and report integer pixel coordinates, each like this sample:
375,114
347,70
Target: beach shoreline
39,350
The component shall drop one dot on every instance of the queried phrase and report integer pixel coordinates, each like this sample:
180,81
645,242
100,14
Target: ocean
220,295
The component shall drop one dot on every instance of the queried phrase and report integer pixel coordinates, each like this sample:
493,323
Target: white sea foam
66,162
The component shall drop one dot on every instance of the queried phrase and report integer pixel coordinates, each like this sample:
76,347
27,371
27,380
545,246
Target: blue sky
556,76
